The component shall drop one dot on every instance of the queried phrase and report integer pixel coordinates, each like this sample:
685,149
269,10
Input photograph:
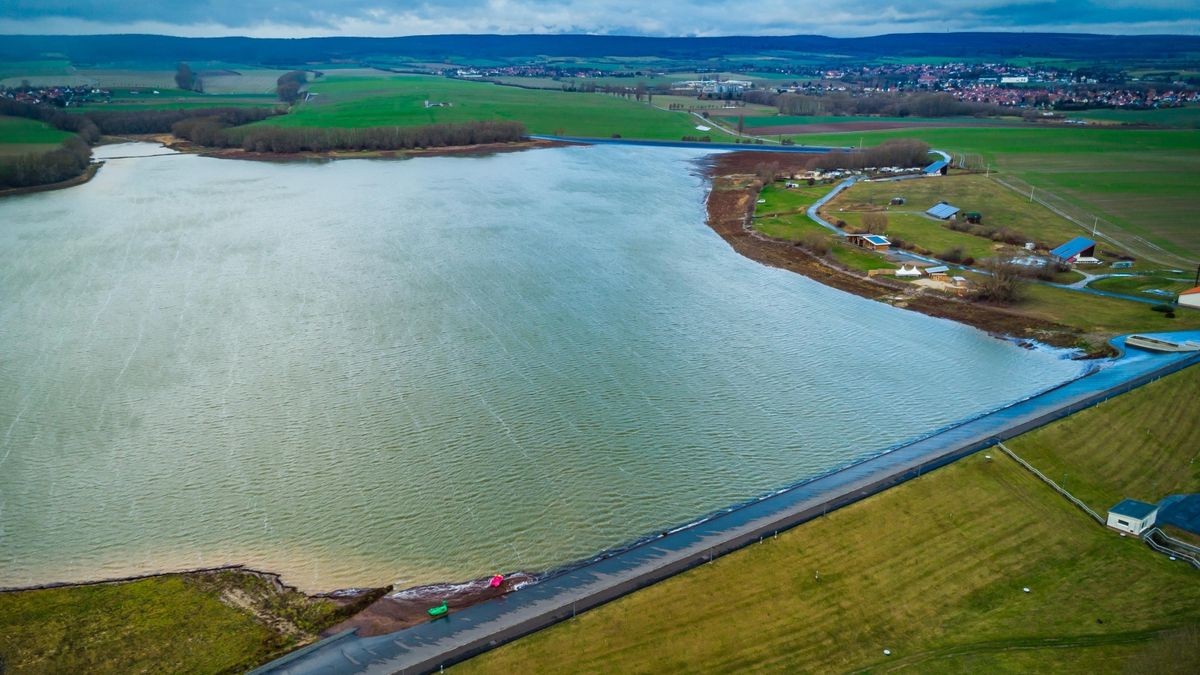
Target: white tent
906,271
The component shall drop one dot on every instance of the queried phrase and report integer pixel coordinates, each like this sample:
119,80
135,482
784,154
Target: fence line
1150,536
1113,233
1039,474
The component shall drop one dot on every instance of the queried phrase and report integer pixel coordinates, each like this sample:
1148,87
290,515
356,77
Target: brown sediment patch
409,607
730,207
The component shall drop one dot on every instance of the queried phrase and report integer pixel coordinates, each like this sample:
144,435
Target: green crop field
1187,117
383,101
19,135
1141,180
833,594
1150,446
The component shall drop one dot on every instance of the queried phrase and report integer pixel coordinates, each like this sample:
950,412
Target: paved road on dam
477,629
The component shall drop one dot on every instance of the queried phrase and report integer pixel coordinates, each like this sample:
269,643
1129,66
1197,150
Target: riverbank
730,208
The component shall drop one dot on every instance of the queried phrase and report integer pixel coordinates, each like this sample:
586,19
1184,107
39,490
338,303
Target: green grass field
1000,207
1167,285
225,621
1184,118
153,625
932,570
1145,446
19,136
1141,180
1099,316
383,101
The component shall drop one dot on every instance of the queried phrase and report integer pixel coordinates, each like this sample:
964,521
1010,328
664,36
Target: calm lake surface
367,372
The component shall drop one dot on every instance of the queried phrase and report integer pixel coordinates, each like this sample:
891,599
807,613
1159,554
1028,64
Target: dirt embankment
731,207
396,611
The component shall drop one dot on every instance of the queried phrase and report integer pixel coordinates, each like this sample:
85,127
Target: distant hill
99,48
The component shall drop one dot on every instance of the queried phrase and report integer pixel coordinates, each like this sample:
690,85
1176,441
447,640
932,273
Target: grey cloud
686,17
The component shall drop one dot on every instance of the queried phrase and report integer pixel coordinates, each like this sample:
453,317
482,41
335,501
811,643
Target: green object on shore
439,610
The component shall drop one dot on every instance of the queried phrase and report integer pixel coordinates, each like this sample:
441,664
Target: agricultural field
1148,448
19,136
1137,182
833,594
340,101
1184,118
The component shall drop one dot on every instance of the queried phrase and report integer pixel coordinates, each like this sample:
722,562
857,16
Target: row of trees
288,86
214,132
897,152
161,121
64,162
186,79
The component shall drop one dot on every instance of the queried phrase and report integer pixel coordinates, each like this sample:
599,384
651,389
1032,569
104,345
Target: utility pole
1095,224
1031,193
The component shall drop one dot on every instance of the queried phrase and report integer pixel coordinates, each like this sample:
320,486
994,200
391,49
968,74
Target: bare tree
1003,282
875,222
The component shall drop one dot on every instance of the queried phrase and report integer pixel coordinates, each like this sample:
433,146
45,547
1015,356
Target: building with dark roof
1132,516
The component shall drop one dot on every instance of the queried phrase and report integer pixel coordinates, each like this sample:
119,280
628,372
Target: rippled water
369,371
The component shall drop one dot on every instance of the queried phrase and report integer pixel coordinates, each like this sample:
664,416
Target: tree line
213,132
904,152
115,122
67,161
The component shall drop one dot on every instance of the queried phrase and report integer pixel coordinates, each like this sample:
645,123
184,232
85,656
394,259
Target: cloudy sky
842,18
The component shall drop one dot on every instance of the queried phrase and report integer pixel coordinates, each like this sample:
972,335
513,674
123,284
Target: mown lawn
383,101
1142,180
19,136
926,233
1145,446
932,570
1144,285
778,199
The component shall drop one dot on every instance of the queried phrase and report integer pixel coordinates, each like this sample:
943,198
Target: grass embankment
1144,445
19,136
932,570
1161,286
352,102
226,621
1142,181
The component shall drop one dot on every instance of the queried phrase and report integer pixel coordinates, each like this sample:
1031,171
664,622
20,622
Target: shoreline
730,210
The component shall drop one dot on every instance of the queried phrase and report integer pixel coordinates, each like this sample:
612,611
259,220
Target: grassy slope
1145,446
1142,180
152,625
178,623
19,135
932,570
382,101
1172,284
1000,206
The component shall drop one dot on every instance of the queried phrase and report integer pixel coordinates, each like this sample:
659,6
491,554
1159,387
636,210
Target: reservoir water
366,372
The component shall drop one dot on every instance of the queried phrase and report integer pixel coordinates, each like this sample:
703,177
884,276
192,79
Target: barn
1079,249
1132,516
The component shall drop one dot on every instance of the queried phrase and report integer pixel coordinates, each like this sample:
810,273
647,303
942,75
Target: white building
1132,516
1190,298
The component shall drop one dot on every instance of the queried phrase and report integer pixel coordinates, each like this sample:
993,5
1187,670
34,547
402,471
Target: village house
875,242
